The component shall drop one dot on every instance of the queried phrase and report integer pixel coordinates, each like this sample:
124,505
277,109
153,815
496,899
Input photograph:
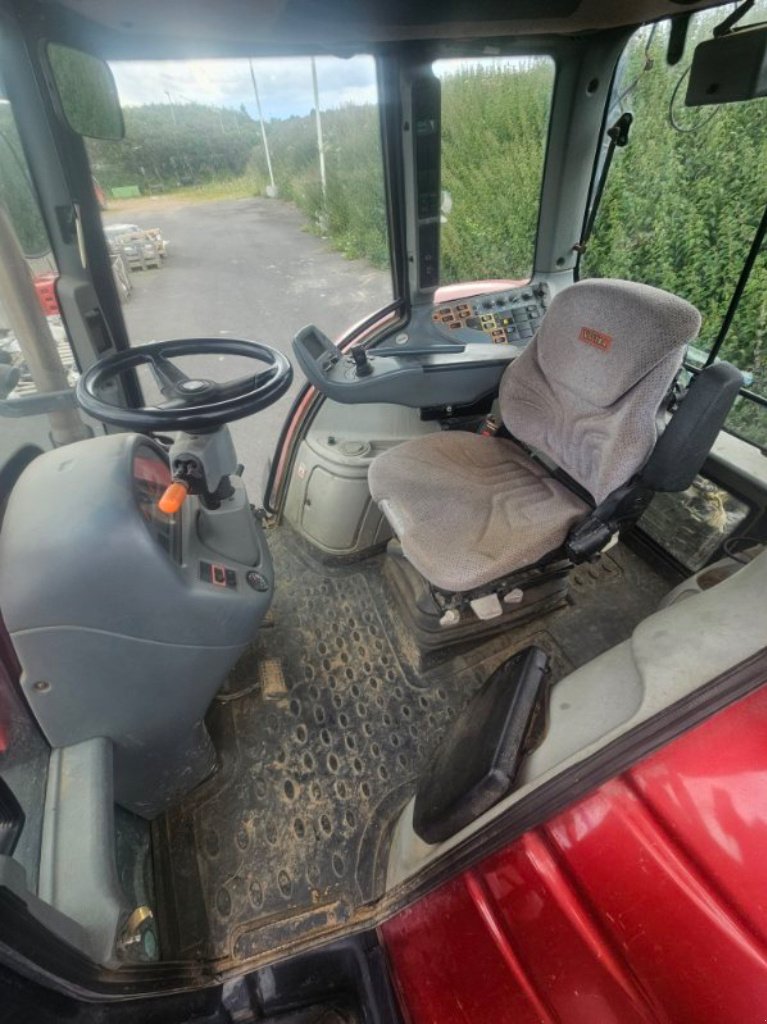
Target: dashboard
151,476
451,352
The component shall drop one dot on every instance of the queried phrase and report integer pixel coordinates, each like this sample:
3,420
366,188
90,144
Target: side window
683,202
35,355
495,122
246,200
32,362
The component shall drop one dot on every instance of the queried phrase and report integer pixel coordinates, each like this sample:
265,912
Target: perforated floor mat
324,730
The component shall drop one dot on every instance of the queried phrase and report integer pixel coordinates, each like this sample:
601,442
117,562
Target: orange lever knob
173,498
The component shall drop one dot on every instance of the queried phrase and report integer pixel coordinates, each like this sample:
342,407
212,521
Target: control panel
509,317
474,338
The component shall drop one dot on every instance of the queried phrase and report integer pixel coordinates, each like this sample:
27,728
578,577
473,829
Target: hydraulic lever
361,362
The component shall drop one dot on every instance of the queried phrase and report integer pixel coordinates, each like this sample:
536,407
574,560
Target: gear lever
361,362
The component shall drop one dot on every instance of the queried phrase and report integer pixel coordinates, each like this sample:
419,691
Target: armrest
683,446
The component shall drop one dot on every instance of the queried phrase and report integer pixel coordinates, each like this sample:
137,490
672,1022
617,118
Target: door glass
495,121
683,201
233,209
35,355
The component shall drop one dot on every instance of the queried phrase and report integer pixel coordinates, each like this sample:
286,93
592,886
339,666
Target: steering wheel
193,403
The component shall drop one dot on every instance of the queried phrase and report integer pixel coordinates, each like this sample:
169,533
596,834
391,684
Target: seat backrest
587,390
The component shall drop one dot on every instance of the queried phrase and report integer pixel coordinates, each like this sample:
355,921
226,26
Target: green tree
682,204
16,192
167,145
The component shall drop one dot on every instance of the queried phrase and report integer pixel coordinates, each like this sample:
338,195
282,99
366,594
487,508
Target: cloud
284,84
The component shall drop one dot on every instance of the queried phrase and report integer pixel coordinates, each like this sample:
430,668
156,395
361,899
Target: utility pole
320,145
172,107
272,191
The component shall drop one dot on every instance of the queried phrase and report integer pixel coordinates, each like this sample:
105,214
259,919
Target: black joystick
361,362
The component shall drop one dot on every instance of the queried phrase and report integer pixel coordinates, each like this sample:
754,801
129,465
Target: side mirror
729,68
87,93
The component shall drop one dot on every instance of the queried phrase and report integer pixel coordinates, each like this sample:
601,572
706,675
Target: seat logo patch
595,338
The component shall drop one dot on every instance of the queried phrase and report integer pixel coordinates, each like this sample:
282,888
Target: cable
671,117
648,63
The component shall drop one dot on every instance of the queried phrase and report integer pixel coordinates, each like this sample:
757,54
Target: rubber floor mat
322,732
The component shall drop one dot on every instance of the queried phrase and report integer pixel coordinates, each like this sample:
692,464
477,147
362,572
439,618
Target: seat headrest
600,337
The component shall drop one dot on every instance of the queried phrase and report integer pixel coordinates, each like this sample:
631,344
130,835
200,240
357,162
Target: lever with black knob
362,364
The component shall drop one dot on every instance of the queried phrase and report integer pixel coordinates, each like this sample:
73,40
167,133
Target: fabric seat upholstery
469,509
587,392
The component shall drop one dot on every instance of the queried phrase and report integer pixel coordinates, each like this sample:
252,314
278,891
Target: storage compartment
328,499
329,502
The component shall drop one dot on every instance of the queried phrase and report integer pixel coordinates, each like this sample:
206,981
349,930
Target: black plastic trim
11,819
597,166
353,970
477,761
390,121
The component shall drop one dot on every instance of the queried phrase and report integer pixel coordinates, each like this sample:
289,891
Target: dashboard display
151,475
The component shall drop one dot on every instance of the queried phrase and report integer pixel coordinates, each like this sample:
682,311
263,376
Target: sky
284,83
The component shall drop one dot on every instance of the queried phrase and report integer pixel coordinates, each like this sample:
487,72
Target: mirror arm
732,19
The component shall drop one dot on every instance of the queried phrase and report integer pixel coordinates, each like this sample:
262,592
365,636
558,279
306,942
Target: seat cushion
470,509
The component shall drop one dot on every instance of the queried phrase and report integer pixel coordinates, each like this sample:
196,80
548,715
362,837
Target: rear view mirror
87,93
729,68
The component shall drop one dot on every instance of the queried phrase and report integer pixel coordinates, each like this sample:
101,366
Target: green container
126,192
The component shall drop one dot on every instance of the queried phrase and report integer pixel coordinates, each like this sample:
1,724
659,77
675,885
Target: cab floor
322,732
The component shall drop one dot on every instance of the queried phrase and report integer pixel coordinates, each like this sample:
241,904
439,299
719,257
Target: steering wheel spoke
166,373
172,403
242,385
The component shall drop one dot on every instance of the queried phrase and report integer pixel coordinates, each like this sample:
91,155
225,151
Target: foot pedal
477,762
273,683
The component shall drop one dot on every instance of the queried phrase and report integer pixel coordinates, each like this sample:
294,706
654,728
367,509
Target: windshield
246,200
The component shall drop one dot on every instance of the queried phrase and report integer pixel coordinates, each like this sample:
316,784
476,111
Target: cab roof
185,28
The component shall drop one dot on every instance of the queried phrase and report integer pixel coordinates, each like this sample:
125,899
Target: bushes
186,144
494,126
354,216
681,208
16,193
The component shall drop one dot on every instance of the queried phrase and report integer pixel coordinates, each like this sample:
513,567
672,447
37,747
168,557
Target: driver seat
585,405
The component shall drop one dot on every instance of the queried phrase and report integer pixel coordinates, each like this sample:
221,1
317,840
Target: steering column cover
115,638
